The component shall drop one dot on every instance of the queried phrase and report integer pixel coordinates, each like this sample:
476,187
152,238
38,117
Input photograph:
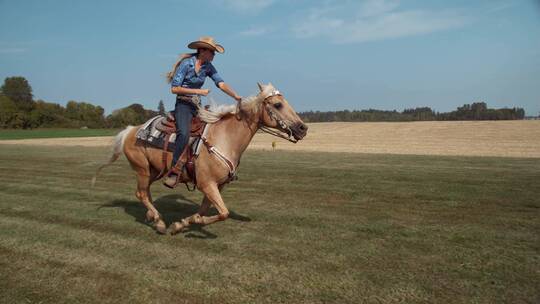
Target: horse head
278,114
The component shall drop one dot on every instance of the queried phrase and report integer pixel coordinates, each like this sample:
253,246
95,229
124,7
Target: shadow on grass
173,208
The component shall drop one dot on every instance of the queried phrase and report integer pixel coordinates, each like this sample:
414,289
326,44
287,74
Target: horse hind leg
143,194
140,163
212,196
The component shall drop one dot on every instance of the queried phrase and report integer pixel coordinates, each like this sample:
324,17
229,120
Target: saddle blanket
150,134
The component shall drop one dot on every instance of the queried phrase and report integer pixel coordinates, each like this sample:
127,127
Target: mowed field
460,138
305,227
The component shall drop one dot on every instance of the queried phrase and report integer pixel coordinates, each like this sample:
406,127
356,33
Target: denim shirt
185,75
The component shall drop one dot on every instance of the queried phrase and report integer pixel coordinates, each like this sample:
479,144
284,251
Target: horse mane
249,104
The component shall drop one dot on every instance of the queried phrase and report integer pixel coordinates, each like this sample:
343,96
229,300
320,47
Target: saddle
167,125
160,132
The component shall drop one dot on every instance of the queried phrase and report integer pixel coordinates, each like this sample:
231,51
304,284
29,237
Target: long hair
170,75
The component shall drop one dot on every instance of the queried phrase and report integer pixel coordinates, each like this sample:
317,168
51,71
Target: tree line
475,111
19,110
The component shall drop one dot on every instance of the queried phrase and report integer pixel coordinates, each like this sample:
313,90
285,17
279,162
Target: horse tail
118,147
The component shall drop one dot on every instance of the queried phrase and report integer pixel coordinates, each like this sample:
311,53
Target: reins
277,134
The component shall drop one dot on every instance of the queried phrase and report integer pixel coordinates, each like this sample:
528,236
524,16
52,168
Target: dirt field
479,138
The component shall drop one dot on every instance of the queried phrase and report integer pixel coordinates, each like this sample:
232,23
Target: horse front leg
206,203
212,196
205,207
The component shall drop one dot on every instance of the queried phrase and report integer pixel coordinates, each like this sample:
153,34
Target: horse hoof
160,227
175,228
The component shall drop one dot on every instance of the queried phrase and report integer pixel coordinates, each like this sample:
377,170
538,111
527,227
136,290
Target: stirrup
170,181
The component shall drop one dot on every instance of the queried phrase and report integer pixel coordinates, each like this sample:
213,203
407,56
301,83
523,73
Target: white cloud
500,6
246,6
376,7
13,47
255,31
374,20
12,50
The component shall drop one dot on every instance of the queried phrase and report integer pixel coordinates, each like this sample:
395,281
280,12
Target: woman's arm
179,75
188,91
229,91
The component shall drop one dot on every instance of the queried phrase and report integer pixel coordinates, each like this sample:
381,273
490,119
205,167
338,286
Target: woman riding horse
228,134
187,78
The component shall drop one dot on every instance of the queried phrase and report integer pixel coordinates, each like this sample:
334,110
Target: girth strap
164,156
222,157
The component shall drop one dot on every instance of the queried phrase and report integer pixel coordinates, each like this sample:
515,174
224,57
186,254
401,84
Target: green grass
304,228
54,133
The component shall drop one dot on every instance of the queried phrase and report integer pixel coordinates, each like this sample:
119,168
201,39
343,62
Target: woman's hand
204,92
238,98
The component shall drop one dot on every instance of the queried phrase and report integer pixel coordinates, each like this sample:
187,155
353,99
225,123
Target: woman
187,78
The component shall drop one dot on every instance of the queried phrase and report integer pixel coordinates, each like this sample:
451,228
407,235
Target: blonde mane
249,104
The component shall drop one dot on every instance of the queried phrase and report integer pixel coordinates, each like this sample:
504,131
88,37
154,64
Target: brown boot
173,176
171,180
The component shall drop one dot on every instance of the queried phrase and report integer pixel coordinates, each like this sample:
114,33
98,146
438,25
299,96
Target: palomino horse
227,138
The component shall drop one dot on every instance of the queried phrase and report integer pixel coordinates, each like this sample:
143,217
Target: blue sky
323,55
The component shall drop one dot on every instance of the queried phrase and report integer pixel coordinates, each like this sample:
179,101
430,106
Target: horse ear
261,88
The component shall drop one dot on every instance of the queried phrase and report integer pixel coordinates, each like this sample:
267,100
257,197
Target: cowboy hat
206,42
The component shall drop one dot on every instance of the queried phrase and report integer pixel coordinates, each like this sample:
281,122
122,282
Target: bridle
273,115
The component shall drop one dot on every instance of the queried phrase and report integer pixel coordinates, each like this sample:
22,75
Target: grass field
6,134
305,227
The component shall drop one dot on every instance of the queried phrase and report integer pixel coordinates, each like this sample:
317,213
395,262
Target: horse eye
278,105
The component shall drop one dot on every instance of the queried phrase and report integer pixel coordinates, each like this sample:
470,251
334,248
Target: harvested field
486,138
465,138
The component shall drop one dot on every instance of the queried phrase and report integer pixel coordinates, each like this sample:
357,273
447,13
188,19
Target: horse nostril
303,127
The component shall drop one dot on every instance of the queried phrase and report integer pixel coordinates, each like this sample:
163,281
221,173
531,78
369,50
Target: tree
47,114
19,91
161,108
123,117
8,110
520,113
479,109
85,114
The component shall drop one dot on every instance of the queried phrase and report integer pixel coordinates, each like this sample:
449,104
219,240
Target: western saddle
186,162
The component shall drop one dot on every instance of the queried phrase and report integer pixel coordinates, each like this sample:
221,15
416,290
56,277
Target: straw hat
206,42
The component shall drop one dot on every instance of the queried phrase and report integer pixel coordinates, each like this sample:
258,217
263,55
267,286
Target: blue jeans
183,113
